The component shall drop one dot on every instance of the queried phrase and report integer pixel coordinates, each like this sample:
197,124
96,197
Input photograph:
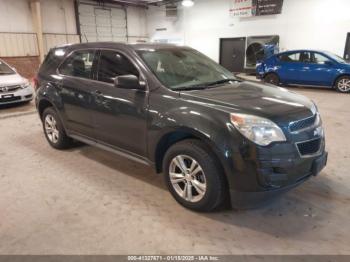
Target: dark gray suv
214,137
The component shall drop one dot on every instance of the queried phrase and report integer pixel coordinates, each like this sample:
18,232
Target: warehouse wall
314,24
18,41
137,24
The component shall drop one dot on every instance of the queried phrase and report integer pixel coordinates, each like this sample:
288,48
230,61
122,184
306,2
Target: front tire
54,130
342,84
194,176
272,78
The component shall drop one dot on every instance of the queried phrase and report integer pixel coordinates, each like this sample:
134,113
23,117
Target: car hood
275,103
13,79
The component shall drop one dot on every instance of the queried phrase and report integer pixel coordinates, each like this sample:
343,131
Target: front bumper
22,95
279,182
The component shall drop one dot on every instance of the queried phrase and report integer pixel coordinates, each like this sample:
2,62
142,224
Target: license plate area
7,96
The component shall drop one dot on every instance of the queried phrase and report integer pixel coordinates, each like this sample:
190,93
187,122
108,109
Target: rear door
76,91
120,114
289,67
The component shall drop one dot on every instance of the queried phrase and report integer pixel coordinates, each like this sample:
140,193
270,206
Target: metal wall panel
26,44
18,44
102,23
52,40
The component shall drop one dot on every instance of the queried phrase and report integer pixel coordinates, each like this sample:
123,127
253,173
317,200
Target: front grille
302,124
10,99
310,147
7,89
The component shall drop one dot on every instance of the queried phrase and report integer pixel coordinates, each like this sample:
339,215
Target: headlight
26,85
257,129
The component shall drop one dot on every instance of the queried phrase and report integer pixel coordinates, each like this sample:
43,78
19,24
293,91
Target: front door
76,91
232,53
319,71
120,114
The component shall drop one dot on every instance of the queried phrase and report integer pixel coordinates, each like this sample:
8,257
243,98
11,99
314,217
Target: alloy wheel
51,128
187,178
344,85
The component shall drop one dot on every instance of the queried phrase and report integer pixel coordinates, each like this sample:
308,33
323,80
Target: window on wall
79,64
113,64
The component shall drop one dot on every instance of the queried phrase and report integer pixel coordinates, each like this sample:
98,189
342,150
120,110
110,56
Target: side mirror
128,82
328,63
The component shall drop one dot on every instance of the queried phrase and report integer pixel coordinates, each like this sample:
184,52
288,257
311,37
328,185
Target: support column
38,27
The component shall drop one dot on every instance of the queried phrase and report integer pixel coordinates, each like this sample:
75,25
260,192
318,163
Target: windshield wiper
222,81
189,88
205,85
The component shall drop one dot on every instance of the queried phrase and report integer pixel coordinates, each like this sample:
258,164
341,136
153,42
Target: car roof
302,50
102,45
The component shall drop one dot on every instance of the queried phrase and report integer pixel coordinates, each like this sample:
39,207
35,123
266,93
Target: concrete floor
87,201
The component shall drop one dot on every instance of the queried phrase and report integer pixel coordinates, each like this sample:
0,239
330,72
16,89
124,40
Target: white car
13,87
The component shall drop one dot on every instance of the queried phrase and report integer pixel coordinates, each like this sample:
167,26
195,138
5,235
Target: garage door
102,23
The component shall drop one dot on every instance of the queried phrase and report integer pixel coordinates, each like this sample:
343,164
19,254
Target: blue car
306,68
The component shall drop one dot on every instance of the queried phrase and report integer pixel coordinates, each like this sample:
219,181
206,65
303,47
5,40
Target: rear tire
272,78
342,84
194,177
54,130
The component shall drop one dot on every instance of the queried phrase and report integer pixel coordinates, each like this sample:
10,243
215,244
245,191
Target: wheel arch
271,73
339,76
42,105
172,137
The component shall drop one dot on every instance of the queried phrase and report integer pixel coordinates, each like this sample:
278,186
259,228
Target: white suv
13,87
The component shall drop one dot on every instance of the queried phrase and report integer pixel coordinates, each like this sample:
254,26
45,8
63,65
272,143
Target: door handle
98,93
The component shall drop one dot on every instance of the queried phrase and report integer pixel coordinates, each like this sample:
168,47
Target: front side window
320,59
5,69
113,64
78,64
183,68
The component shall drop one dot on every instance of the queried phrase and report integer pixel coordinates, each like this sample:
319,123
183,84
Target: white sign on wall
242,8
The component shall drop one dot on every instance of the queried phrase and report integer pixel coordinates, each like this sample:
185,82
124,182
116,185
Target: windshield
5,69
336,57
184,69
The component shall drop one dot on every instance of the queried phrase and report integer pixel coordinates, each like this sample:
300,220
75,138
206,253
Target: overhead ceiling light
187,3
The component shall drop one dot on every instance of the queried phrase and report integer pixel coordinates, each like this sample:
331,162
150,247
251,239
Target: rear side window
113,64
78,64
294,57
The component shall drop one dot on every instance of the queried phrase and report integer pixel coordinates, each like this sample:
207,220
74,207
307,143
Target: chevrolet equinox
215,138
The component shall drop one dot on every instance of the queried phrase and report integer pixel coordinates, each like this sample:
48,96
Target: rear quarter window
52,60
